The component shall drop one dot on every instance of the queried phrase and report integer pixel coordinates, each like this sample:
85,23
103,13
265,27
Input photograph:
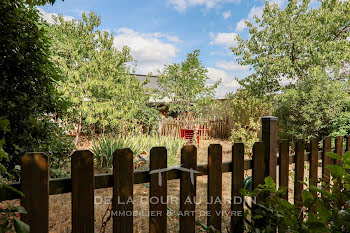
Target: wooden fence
216,128
37,186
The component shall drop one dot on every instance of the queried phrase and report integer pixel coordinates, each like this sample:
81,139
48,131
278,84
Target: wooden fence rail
37,187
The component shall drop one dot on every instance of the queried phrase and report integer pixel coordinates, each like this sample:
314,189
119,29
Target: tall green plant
103,97
28,79
288,43
184,84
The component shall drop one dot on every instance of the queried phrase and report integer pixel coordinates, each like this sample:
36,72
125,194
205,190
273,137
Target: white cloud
228,83
240,26
149,50
49,17
226,14
231,65
182,5
225,39
256,11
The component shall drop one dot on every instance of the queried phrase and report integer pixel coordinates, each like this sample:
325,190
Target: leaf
334,155
20,226
306,195
269,182
336,171
21,210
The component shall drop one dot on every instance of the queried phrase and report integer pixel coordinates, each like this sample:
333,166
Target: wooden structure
220,129
37,186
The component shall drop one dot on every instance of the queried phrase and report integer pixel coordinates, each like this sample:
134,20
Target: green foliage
27,86
289,44
102,94
57,146
320,210
11,222
314,108
104,148
184,84
245,111
8,215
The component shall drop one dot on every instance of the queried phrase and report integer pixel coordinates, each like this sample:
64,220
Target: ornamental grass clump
103,148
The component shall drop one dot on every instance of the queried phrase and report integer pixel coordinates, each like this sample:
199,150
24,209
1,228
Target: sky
162,32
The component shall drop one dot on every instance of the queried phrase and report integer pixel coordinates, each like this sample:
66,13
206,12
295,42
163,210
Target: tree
102,94
27,85
314,108
290,44
184,84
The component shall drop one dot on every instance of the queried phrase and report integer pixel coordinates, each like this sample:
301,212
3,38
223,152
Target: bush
321,210
316,107
245,111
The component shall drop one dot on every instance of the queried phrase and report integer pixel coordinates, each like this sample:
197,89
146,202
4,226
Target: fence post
188,189
35,186
269,137
158,191
83,214
237,211
123,186
284,166
214,186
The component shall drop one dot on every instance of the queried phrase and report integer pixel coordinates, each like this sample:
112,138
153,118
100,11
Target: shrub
316,107
245,111
321,210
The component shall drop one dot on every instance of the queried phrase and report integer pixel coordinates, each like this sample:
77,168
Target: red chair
187,134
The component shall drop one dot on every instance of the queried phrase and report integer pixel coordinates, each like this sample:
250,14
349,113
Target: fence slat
313,162
299,171
269,137
35,186
258,174
188,189
326,160
258,170
347,143
158,191
83,215
214,186
237,184
339,147
123,191
284,165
